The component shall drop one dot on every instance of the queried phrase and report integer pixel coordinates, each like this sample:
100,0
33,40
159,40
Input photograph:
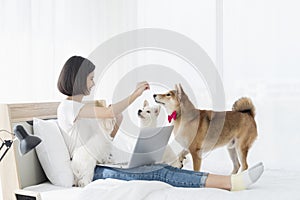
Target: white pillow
53,153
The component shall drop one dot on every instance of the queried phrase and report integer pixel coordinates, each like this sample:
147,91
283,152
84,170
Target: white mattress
274,184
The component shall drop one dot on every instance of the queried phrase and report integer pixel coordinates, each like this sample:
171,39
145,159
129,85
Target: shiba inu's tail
244,105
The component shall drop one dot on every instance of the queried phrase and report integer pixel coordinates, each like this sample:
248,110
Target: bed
23,177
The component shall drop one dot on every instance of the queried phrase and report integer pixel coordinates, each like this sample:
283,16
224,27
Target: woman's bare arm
91,111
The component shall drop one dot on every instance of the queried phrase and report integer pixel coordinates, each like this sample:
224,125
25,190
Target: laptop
149,147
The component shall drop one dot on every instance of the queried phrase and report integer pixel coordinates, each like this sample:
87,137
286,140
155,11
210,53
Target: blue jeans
158,172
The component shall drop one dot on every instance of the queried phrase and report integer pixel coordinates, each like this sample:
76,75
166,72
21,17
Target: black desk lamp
27,142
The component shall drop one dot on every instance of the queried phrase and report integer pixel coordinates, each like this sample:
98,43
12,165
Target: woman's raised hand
141,87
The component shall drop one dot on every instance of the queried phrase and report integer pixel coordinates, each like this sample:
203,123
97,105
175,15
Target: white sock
243,180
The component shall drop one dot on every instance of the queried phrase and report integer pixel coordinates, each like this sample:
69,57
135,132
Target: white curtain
37,37
261,47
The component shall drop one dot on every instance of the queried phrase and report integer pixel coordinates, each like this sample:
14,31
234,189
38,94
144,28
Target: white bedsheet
273,185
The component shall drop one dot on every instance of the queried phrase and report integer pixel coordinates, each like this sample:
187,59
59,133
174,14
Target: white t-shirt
93,133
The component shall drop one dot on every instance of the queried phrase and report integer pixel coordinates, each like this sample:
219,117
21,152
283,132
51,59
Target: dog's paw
84,181
177,163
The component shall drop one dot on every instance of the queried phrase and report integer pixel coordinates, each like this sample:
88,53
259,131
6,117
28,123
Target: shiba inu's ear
146,103
179,91
157,110
179,85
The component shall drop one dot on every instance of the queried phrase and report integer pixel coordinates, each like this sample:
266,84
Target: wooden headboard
17,171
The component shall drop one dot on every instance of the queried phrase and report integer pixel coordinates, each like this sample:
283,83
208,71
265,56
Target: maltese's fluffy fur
97,148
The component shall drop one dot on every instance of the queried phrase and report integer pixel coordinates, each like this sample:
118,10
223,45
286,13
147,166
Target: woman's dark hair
72,78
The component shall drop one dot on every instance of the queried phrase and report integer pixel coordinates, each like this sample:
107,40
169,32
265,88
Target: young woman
76,81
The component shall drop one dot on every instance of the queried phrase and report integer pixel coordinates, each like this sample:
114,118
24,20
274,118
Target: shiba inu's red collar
172,116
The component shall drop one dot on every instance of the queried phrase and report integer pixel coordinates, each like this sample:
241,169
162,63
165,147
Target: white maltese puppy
96,148
148,115
148,118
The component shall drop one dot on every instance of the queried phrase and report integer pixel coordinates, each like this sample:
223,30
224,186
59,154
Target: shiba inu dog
200,131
